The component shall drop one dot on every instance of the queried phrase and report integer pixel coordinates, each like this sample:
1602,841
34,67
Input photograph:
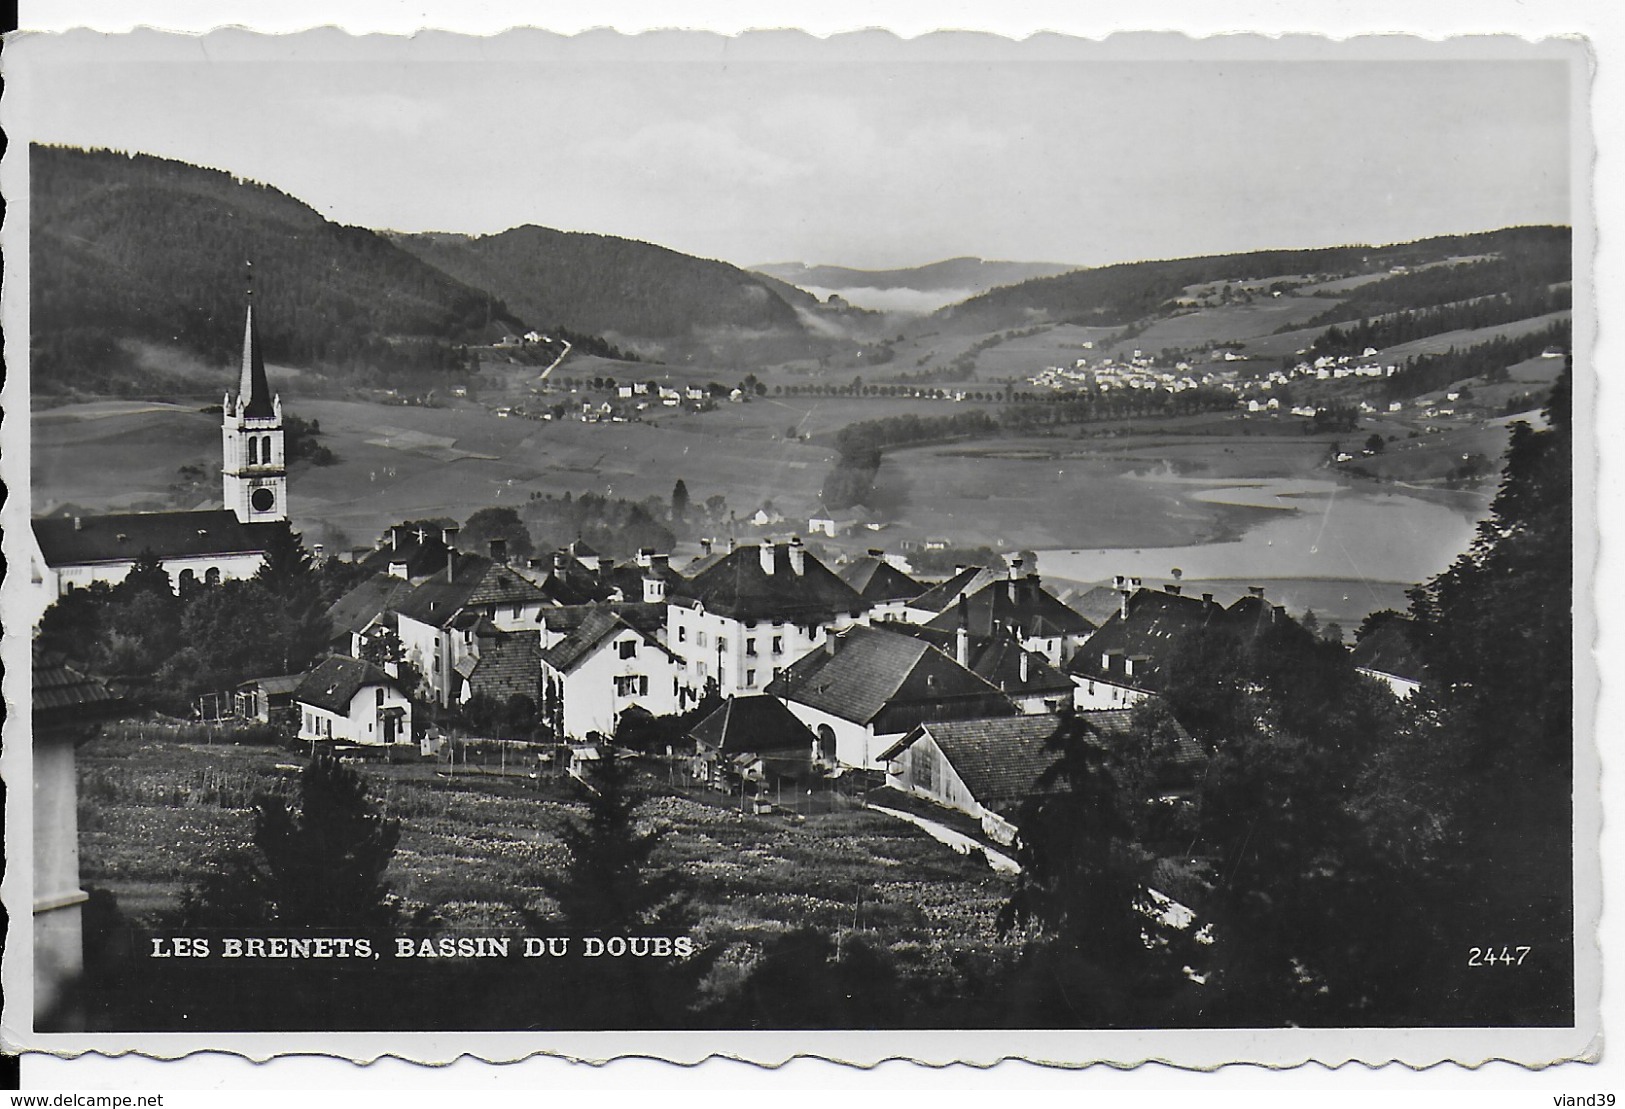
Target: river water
1310,529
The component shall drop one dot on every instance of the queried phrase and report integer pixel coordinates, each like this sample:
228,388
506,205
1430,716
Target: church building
208,545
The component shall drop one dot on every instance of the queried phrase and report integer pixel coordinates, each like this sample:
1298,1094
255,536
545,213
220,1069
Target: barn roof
888,679
125,536
753,724
999,760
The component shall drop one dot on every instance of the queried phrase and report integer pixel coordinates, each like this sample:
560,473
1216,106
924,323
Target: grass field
152,810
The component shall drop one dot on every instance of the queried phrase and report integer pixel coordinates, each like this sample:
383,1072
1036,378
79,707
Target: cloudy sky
871,153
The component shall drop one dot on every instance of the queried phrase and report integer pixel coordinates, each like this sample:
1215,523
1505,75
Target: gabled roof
1390,648
939,597
887,679
476,581
1096,604
998,659
999,760
363,604
125,536
753,724
423,557
878,581
337,680
599,626
1156,620
739,586
1021,604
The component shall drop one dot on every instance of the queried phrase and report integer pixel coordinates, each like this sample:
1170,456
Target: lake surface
1310,529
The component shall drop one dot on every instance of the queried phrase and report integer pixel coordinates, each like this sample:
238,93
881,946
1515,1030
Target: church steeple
253,392
253,461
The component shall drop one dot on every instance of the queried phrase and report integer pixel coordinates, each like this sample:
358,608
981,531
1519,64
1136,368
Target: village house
346,700
600,670
939,598
870,685
436,622
1023,675
207,545
885,589
1018,604
738,622
752,739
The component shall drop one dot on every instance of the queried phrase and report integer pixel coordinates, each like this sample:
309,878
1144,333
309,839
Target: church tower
254,462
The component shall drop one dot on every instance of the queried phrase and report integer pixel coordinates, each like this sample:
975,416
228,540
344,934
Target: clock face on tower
262,500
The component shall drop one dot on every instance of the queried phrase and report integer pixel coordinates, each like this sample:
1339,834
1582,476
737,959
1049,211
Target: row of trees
1403,327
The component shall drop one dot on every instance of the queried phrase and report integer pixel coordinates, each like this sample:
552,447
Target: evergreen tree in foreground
316,870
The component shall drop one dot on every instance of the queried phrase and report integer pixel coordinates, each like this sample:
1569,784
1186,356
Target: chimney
1023,666
705,548
559,563
876,552
829,644
1207,598
448,536
1125,591
499,551
654,591
78,523
798,556
451,564
733,544
605,565
395,538
1255,590
767,557
398,570
1015,566
645,557
1172,588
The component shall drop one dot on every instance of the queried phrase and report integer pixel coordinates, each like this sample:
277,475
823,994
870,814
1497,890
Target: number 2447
1489,957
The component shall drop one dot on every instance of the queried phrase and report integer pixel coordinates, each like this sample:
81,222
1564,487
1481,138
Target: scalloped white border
1195,1049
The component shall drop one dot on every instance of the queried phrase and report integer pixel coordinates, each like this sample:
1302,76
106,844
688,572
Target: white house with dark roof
1019,605
599,671
870,685
751,613
883,587
347,700
208,545
437,621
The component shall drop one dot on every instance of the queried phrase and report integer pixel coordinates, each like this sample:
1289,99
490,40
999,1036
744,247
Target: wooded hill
141,248
628,289
1124,294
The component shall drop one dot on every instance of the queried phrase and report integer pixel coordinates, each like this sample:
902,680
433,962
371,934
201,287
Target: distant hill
148,250
1128,293
953,274
632,291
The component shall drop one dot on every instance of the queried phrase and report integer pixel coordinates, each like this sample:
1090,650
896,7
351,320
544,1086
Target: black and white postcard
953,548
